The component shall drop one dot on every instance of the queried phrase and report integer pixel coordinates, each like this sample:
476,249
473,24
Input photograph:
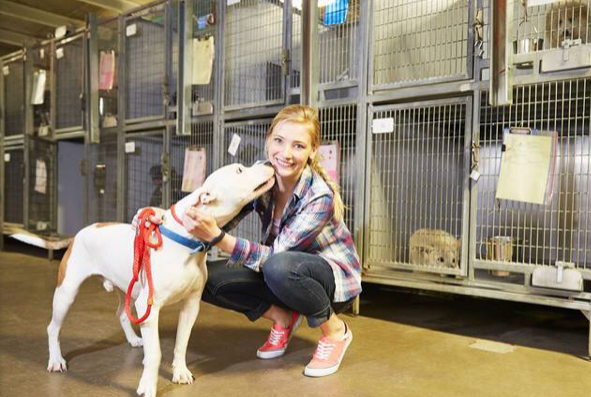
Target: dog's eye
239,170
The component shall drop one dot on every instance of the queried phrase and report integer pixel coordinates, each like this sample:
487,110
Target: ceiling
34,20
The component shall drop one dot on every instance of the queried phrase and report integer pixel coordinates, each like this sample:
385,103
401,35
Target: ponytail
339,207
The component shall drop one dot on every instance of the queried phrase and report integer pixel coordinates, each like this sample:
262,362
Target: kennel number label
130,147
234,144
6,70
131,30
382,126
232,2
7,157
59,53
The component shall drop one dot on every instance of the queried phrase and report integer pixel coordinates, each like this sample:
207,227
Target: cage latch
285,62
475,161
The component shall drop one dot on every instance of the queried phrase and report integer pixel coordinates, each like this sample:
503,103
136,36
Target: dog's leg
152,354
72,273
187,317
130,334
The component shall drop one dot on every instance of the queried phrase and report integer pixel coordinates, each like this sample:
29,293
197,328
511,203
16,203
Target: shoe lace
323,350
275,336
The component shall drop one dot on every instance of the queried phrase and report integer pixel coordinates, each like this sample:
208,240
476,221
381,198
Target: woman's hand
155,219
202,226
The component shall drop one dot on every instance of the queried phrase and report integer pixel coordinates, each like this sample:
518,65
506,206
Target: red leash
141,258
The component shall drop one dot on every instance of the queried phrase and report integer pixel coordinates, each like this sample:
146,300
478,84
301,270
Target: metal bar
121,122
16,39
185,64
113,5
28,87
92,81
501,92
310,75
2,160
35,15
219,86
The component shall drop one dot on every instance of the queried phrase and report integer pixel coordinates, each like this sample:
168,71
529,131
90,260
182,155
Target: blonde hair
308,116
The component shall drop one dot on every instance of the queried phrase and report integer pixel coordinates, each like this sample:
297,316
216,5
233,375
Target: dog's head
230,188
566,20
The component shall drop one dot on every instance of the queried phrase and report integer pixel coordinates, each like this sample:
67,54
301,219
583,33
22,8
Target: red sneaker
328,355
279,338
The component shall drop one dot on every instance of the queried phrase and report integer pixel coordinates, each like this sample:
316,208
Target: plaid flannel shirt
307,225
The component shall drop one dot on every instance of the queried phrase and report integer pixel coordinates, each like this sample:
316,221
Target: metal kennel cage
14,176
13,75
420,42
69,83
418,186
253,47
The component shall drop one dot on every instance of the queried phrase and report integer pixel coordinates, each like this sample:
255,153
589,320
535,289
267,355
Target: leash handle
141,258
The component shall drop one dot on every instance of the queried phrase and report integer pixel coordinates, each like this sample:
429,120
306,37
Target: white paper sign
234,144
130,147
232,2
7,157
59,53
330,159
383,126
40,176
203,53
194,169
131,30
6,70
39,78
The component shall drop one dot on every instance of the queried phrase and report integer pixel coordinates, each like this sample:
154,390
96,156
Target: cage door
40,193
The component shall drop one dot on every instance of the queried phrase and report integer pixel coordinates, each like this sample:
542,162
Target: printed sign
194,169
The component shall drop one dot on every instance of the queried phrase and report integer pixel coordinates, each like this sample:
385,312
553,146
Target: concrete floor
405,344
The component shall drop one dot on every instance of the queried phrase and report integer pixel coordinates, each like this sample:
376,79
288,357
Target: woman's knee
280,267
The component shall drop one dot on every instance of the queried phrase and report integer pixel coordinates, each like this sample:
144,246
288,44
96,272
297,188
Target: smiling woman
306,265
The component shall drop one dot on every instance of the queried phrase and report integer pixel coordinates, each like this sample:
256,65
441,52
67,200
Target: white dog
179,274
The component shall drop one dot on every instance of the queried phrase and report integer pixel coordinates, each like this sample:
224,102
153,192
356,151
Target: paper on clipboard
107,70
39,78
330,160
40,177
194,169
203,52
525,167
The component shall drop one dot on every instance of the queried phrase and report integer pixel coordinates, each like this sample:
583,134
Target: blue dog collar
194,245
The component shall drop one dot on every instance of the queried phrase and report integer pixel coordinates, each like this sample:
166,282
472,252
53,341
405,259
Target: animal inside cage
145,60
186,173
69,84
558,230
252,58
102,167
14,97
419,40
14,173
418,195
143,172
339,40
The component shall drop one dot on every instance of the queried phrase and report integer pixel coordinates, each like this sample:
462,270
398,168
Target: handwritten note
525,165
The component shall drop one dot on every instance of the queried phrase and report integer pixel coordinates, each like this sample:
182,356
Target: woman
307,266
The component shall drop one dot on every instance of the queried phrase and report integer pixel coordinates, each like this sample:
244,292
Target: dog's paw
136,342
146,388
58,365
182,376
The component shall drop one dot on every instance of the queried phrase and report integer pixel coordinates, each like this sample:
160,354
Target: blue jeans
292,280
